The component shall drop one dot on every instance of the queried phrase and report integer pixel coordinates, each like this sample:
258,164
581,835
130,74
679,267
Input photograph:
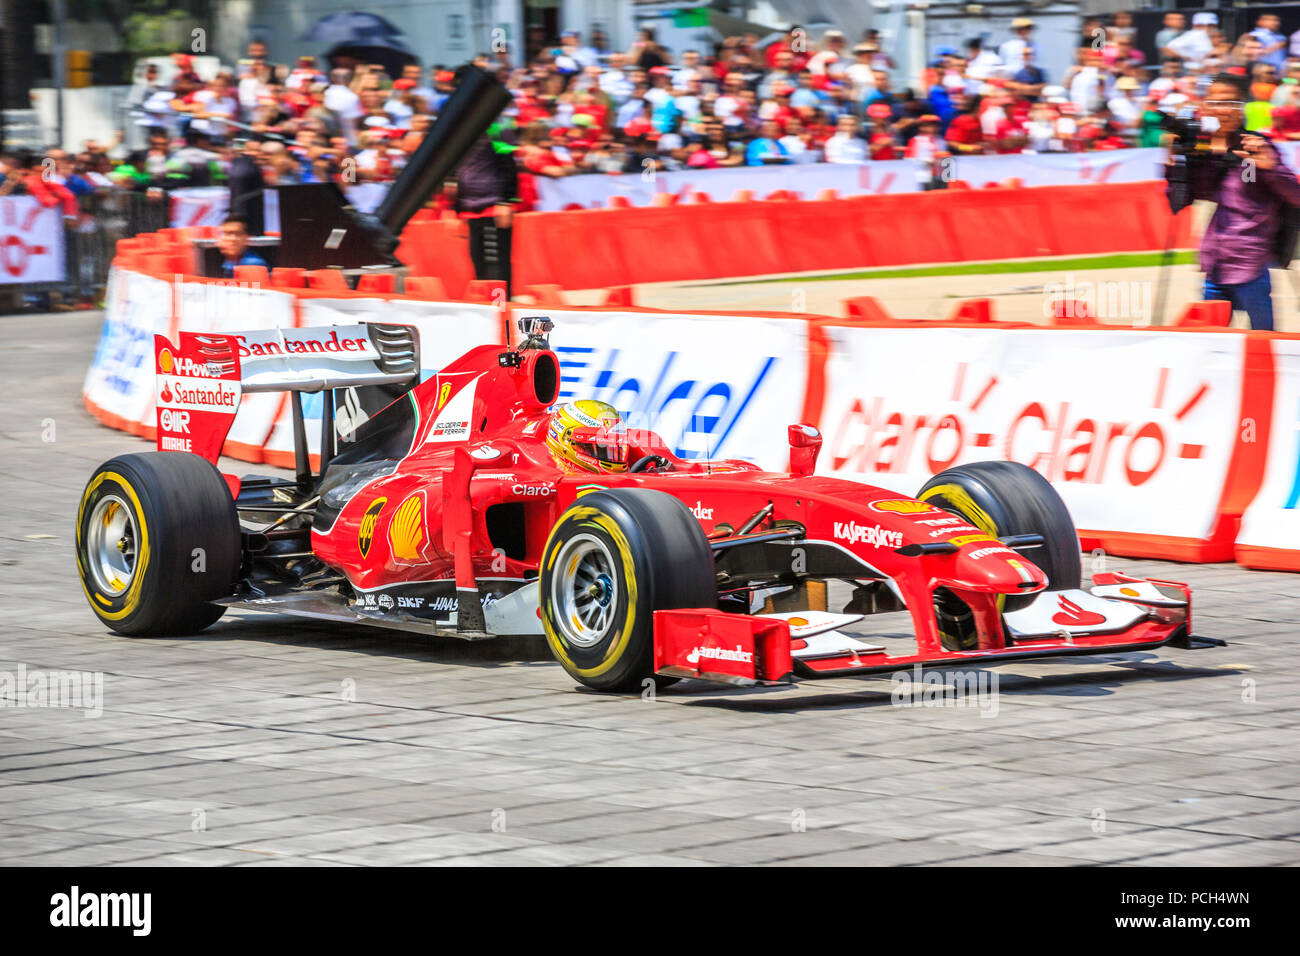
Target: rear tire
612,560
1005,498
157,540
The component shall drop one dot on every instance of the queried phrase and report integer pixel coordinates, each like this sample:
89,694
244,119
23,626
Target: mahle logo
366,533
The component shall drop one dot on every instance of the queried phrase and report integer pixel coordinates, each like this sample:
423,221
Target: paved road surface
269,741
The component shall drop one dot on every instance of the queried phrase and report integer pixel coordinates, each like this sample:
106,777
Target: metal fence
89,246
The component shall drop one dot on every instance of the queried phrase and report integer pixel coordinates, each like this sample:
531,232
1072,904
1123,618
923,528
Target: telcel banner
710,390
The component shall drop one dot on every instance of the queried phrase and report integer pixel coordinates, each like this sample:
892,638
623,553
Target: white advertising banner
708,389
806,180
120,383
1135,429
864,179
1272,522
31,241
227,307
1064,169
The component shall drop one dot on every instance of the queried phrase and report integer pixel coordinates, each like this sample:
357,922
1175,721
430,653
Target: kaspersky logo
872,535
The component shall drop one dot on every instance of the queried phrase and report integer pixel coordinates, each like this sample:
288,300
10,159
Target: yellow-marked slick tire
1004,498
157,540
612,559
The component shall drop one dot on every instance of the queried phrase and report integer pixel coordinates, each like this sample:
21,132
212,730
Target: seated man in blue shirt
766,148
233,246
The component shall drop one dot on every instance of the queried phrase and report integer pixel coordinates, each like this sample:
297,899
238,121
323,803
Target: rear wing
201,378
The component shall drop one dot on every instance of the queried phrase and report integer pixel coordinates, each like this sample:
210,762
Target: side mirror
805,445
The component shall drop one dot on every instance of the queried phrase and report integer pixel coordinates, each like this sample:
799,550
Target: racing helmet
587,435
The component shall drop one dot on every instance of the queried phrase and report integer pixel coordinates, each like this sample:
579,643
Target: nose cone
998,569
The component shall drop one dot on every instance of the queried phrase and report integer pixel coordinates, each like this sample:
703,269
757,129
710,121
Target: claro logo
1053,438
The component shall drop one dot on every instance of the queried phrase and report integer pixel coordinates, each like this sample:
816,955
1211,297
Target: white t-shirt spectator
218,107
797,149
616,85
1012,54
1193,46
843,148
1124,109
1085,93
862,78
342,101
986,65
398,112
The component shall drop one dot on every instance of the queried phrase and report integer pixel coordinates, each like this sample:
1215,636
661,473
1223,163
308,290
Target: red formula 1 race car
467,506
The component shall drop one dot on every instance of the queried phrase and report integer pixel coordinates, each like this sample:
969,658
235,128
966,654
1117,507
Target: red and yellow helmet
587,435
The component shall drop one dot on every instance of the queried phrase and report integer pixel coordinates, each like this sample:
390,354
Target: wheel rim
584,592
111,542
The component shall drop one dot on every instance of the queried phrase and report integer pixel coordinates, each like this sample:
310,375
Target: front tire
1004,498
157,540
612,560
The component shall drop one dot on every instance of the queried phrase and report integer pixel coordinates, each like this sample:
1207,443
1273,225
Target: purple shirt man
1252,187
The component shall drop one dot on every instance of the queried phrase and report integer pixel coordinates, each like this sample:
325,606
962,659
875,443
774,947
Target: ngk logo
1056,438
873,535
174,421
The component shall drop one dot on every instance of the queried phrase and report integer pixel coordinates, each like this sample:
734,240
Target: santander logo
1070,614
720,654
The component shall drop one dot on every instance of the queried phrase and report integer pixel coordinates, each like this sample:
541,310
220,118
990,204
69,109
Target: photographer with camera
1258,197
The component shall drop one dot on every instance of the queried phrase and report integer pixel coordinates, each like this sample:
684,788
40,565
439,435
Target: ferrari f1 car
467,506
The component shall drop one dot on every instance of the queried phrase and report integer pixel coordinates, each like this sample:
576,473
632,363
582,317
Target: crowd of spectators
583,108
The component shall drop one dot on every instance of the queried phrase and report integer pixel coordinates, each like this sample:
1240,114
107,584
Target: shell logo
797,621
902,506
1130,592
407,534
165,361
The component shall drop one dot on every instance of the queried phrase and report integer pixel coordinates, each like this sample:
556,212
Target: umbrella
391,57
354,28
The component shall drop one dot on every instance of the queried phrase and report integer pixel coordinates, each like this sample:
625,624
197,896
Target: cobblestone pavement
242,747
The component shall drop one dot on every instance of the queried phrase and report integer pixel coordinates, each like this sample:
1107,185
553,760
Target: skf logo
1071,615
873,535
366,533
407,534
902,506
701,512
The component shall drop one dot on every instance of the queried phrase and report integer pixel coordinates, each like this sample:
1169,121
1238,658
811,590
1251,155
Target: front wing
1118,614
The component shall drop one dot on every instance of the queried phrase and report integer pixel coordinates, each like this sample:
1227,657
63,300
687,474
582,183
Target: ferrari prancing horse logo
366,533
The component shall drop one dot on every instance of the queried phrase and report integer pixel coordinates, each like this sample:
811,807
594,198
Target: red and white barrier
31,241
1270,530
119,388
1160,440
1136,429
